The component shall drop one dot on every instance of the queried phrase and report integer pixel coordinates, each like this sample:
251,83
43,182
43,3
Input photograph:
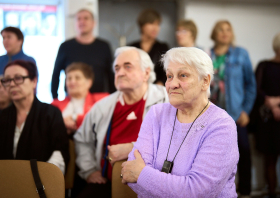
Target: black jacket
44,132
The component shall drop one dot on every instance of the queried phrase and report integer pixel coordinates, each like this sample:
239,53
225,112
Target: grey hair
190,56
276,43
145,60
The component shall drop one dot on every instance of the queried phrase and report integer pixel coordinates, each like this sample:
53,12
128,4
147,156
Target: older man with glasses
111,127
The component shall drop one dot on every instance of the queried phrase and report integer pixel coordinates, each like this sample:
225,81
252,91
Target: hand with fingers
119,152
96,178
132,169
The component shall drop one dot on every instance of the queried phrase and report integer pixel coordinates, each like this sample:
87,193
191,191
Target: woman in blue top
234,89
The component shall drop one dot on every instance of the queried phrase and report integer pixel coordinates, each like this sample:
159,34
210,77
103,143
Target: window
41,26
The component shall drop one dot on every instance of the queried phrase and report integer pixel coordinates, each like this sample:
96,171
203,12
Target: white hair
276,43
190,56
145,60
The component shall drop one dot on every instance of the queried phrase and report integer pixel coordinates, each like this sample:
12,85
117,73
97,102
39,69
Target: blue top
5,59
240,82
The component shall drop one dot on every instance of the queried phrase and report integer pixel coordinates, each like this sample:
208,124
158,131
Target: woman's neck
79,95
190,44
24,105
85,38
146,43
276,58
221,49
134,96
188,113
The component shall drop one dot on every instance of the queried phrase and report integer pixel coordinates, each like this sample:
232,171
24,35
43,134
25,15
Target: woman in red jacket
79,78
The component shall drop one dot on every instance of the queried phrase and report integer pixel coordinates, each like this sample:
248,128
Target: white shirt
74,108
56,157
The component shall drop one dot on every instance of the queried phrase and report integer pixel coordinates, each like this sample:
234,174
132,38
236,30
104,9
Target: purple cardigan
206,163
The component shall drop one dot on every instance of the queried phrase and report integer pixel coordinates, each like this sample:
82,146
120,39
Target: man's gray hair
190,56
145,60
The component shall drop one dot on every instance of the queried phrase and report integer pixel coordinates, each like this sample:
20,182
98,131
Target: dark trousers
244,164
96,190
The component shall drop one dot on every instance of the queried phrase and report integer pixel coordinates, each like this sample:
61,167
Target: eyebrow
181,68
126,63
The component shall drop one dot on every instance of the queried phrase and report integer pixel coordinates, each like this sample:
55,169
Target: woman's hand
119,152
96,177
276,113
272,102
243,119
132,169
70,124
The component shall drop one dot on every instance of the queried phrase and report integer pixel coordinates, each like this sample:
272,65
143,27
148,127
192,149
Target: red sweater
91,98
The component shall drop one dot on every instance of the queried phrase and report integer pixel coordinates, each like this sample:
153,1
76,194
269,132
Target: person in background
30,129
267,114
13,41
86,48
79,79
188,147
5,100
234,89
186,33
149,25
112,125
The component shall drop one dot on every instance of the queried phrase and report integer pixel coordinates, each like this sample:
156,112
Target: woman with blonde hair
234,89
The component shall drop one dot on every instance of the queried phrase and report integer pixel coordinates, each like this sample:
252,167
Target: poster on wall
33,20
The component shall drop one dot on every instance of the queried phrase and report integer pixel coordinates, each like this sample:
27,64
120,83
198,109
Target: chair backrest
70,173
119,190
16,179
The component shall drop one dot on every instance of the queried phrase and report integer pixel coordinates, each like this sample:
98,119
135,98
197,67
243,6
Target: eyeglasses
6,82
182,32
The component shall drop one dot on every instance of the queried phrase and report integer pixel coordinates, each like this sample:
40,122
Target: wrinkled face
183,84
77,84
84,23
21,91
151,30
224,34
11,42
184,37
128,72
4,96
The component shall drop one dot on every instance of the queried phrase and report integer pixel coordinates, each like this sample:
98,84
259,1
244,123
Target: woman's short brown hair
190,25
217,26
148,16
83,67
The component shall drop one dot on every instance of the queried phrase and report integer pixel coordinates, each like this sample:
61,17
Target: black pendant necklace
167,165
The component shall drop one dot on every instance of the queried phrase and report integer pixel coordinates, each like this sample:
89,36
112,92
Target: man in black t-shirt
88,49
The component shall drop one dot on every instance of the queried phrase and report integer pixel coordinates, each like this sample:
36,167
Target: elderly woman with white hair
111,127
188,147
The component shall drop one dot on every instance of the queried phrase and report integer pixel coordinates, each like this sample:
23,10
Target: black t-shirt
97,54
155,54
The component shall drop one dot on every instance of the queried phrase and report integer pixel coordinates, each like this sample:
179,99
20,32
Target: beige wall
71,7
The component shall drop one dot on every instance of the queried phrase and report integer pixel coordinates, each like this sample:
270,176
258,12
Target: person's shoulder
69,42
30,58
161,109
240,50
162,45
102,41
48,109
218,115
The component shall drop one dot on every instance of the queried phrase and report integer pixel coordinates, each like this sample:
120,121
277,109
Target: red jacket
91,98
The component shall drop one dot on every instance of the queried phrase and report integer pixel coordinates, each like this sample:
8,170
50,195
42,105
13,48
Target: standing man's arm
250,84
109,71
59,65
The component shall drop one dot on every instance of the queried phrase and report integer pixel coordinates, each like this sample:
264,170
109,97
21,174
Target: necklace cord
186,134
